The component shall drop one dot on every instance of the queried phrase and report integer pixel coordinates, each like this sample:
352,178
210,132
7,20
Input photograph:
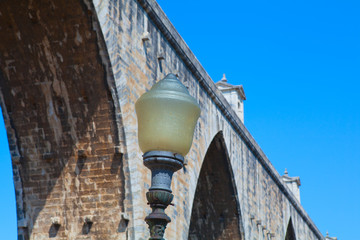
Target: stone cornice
162,22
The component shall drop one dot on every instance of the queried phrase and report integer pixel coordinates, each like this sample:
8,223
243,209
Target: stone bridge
70,73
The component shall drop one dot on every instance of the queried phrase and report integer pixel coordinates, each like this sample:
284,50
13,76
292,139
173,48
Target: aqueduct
70,73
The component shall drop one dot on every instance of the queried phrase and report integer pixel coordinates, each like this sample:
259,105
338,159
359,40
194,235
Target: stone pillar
293,183
329,238
234,94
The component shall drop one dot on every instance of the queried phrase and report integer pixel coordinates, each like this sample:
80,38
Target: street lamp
167,116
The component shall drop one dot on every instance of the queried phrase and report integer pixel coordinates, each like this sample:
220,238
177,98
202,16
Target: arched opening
290,232
216,213
60,103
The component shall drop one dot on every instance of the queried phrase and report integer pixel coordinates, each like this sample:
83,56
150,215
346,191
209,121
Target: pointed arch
290,232
216,211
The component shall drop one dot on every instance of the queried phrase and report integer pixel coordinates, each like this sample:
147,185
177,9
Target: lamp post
167,116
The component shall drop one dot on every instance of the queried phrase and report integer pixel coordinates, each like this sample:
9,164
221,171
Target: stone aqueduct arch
216,211
70,72
290,232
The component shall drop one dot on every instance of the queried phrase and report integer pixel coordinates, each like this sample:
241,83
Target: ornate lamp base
162,164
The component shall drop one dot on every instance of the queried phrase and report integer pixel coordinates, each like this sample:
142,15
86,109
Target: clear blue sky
299,63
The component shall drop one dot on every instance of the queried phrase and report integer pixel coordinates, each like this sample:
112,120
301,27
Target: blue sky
299,63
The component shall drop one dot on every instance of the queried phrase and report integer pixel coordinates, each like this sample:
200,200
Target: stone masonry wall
70,73
143,47
60,117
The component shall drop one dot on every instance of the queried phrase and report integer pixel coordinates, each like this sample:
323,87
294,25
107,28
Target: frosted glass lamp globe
167,115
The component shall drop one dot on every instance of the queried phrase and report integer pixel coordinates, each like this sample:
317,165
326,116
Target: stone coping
162,22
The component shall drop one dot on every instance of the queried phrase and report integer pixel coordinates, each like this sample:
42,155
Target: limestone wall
70,73
59,113
138,63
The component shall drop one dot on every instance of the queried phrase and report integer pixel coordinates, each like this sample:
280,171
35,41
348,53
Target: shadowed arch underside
290,233
215,213
59,104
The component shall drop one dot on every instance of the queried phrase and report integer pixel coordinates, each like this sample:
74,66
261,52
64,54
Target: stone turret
293,183
234,94
329,238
